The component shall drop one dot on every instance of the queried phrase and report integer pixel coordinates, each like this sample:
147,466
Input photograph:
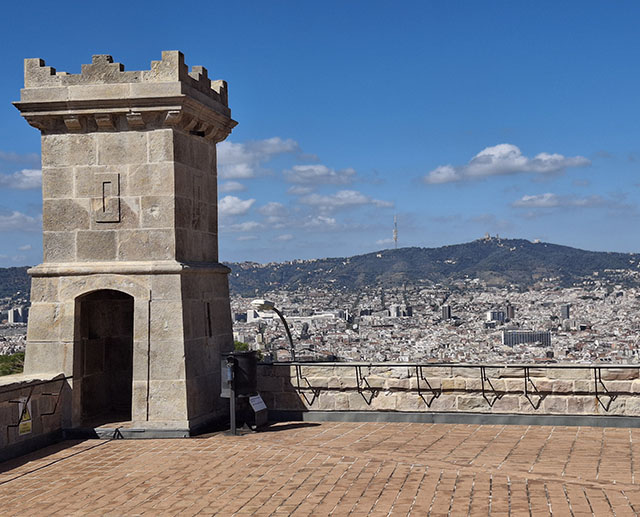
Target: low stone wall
48,399
550,390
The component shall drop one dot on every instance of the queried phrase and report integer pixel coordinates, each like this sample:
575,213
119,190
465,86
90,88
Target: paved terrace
339,469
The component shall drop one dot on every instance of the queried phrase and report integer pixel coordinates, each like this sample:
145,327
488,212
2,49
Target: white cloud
231,205
17,221
503,159
237,160
319,221
319,175
283,238
551,200
299,190
247,238
26,247
276,214
231,186
384,242
248,226
342,199
22,180
442,174
273,208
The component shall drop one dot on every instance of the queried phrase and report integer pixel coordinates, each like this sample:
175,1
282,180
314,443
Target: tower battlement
102,70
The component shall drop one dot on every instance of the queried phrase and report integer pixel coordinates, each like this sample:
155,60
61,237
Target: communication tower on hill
395,231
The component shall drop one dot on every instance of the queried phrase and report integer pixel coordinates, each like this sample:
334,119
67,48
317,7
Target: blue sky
516,118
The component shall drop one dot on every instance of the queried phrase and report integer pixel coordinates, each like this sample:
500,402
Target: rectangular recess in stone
107,207
198,202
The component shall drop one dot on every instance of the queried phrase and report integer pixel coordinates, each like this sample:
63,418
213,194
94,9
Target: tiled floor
337,469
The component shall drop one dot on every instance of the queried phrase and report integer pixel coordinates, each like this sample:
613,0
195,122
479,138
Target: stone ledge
22,380
126,268
453,418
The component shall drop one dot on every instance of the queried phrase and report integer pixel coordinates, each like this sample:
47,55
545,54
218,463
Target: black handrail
489,393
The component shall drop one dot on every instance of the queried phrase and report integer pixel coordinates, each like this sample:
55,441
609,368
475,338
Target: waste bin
242,367
246,372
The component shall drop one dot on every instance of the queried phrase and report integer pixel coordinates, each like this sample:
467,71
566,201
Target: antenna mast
395,231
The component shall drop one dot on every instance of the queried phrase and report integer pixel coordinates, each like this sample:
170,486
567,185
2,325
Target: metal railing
429,393
29,385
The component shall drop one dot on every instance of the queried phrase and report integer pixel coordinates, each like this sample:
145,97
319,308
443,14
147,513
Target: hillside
14,279
495,261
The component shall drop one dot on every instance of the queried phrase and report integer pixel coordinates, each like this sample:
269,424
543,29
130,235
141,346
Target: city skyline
459,120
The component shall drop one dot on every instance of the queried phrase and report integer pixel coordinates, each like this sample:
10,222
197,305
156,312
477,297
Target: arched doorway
104,356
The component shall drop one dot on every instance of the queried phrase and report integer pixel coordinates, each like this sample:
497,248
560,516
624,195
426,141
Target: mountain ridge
494,261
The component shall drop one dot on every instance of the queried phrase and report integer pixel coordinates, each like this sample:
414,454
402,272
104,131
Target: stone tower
130,299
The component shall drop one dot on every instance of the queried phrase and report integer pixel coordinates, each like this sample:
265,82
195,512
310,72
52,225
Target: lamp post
267,305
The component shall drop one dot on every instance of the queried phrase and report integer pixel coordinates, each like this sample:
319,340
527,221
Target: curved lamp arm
286,327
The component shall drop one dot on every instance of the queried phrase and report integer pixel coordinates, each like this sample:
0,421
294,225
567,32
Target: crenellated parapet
105,97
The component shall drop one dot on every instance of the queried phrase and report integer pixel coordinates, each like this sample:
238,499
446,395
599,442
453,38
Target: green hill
14,279
495,261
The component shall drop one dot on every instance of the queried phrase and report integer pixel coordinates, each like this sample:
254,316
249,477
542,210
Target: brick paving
354,469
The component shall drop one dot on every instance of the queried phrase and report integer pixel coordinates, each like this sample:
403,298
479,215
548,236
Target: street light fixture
267,305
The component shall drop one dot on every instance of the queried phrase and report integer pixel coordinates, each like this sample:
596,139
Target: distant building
564,312
253,315
511,311
400,311
446,312
496,316
18,315
519,337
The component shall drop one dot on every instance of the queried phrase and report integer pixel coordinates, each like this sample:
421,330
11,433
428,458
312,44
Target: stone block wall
108,196
50,398
129,196
550,391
